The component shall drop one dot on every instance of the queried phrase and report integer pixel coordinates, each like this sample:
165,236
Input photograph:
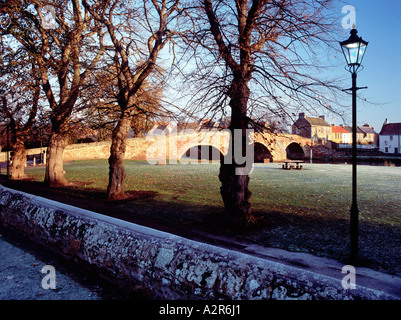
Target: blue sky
379,22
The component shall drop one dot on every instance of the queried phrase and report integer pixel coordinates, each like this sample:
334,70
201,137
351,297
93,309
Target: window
391,138
386,149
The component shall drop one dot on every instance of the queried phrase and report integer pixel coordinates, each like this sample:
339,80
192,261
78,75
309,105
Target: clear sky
379,22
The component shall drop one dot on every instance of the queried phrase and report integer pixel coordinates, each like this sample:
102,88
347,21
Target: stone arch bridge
187,145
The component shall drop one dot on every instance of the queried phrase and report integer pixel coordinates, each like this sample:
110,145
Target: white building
390,138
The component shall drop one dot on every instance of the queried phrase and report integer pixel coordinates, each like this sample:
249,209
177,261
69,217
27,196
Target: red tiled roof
338,129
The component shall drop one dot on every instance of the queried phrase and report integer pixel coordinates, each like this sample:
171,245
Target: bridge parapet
173,146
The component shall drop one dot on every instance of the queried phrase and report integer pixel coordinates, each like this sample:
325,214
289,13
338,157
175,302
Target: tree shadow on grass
142,207
379,244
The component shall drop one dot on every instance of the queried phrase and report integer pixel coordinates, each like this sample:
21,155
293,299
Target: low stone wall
163,265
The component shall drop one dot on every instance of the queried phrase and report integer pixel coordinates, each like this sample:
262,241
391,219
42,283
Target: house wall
321,135
359,137
370,138
302,128
390,143
337,137
375,138
346,138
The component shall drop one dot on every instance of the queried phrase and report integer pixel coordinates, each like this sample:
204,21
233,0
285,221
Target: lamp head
354,49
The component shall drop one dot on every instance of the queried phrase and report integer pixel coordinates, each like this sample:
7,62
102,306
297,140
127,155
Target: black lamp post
354,49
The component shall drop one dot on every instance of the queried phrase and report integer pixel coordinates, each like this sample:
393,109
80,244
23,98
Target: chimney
302,115
323,117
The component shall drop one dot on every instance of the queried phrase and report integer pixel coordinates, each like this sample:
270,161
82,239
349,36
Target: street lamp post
354,49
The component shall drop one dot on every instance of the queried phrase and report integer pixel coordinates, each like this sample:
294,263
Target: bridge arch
261,152
202,152
212,153
295,151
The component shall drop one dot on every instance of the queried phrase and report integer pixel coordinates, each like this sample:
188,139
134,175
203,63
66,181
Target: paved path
21,275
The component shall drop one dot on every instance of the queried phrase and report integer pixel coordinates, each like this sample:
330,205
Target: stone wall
163,265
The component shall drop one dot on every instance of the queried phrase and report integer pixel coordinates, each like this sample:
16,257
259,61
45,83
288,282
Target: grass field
318,190
305,210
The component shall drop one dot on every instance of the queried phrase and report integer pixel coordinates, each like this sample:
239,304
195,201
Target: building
317,129
340,135
370,137
359,134
390,138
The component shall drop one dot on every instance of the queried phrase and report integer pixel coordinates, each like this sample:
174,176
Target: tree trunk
54,176
234,177
115,189
235,193
18,158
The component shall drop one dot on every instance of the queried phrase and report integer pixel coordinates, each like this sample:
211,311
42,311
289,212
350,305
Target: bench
291,165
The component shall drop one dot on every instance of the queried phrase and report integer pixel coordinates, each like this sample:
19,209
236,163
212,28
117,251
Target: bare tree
256,55
66,44
20,90
138,34
101,111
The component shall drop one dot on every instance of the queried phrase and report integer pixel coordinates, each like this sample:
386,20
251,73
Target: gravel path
21,276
